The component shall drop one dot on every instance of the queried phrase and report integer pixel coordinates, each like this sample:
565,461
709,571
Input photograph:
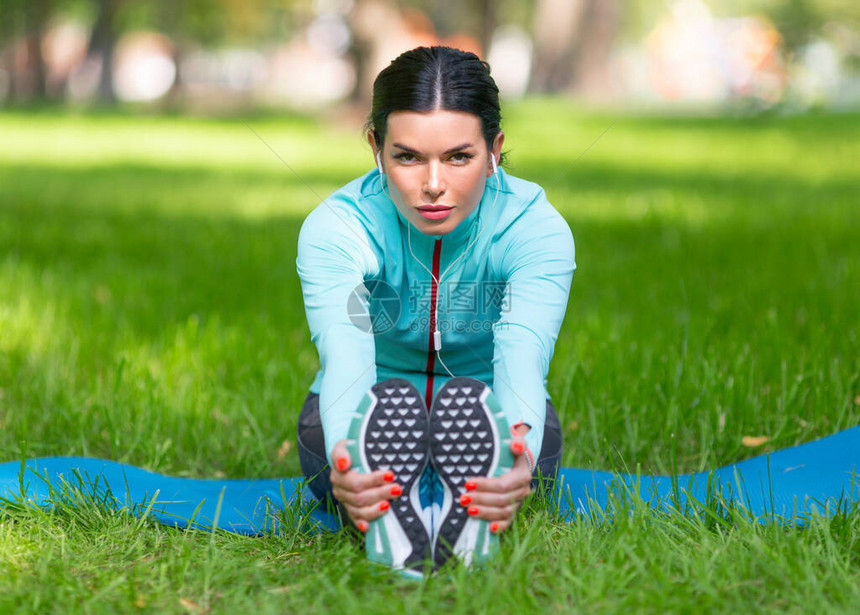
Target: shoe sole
469,437
389,431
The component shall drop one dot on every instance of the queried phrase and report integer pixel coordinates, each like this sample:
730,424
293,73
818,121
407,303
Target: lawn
150,313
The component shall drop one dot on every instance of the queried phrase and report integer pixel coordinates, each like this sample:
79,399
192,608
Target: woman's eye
461,157
405,157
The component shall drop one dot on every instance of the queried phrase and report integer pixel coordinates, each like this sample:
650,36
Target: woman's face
436,164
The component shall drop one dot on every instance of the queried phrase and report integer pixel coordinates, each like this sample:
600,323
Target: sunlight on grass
16,550
672,207
800,148
93,141
23,326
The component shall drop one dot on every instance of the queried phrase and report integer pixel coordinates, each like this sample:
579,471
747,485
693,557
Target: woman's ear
371,140
496,152
377,152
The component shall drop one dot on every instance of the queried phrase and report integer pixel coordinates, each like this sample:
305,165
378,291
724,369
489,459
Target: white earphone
379,164
493,160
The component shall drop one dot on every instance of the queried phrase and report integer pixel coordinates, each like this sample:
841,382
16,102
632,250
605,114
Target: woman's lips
435,212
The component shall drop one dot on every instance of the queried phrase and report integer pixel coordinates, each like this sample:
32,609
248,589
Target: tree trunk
36,13
487,13
9,26
557,27
360,51
170,23
102,43
573,46
591,68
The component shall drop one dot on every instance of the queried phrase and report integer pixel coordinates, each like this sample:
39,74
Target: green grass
150,313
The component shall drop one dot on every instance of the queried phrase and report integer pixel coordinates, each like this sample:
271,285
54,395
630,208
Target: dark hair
431,78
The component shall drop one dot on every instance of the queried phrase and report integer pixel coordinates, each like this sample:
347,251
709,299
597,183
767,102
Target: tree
573,40
102,42
22,24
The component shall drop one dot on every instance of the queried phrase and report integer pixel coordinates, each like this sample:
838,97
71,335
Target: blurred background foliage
232,55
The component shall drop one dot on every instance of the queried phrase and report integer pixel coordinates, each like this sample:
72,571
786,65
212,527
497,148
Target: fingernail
396,490
494,527
470,485
342,463
362,526
465,500
473,510
518,448
388,476
384,505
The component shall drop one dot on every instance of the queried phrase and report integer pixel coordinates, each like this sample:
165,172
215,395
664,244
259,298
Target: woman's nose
433,181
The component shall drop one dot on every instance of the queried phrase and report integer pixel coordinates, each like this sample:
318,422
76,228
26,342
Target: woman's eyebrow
447,151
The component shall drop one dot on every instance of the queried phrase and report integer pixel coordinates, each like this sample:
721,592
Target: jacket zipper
434,297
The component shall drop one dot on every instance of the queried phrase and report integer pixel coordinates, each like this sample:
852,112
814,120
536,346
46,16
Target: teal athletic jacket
502,279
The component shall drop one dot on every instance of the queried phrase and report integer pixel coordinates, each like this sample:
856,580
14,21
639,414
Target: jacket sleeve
537,264
334,260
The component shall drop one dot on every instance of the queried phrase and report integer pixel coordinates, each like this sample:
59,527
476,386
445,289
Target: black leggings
316,469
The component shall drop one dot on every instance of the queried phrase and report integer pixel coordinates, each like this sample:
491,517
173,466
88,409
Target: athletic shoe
469,437
389,431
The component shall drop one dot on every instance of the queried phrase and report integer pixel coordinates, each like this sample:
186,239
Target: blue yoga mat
792,484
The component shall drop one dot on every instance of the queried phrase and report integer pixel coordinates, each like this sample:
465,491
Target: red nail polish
362,526
388,476
342,463
465,500
518,448
384,505
396,490
470,485
494,527
473,510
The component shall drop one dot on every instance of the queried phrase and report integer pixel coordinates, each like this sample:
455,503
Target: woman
434,288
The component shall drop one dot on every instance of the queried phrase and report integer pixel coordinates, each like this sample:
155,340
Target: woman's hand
365,496
498,499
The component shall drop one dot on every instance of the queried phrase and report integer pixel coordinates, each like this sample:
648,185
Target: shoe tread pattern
462,446
396,439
